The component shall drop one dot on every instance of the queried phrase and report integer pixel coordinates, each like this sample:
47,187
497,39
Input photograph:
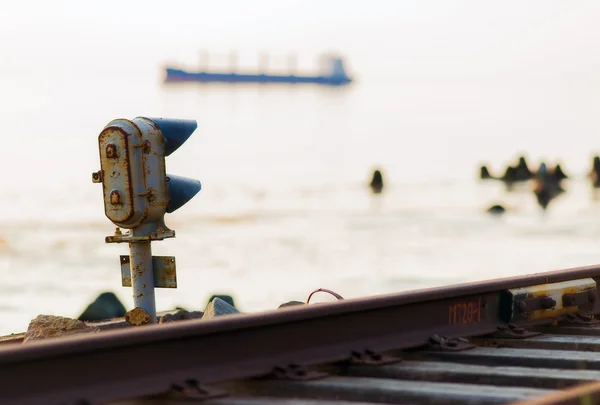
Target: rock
180,315
227,298
138,317
218,307
496,210
559,174
376,182
290,304
49,326
106,306
484,173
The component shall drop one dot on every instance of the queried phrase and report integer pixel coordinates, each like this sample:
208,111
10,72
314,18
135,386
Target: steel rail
120,364
584,394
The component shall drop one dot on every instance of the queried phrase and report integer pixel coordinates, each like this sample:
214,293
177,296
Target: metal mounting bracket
511,331
578,319
191,389
369,357
295,372
444,344
164,268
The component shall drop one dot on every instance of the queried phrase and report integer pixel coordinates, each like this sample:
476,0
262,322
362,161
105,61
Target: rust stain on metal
138,317
154,125
547,301
125,271
146,147
97,177
115,197
111,151
163,267
116,167
167,274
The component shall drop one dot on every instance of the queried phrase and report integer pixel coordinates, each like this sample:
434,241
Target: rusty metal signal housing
137,190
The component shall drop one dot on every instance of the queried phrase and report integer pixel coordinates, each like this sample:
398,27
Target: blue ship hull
178,75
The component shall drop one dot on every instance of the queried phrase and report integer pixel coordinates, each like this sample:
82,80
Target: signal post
138,193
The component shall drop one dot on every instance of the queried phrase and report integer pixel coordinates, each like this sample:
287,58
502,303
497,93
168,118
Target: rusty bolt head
568,300
522,306
547,302
97,177
137,317
111,151
115,197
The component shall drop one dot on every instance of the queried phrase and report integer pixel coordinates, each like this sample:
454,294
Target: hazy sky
491,35
462,67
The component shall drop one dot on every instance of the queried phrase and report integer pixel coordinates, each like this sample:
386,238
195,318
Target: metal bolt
516,329
111,151
115,197
97,177
452,342
547,302
522,306
435,339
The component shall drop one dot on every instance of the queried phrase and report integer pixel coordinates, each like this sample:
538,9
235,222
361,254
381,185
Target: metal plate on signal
548,301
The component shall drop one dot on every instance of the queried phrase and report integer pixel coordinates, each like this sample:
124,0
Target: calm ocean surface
440,88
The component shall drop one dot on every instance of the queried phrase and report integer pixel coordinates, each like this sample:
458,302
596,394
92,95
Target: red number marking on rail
464,313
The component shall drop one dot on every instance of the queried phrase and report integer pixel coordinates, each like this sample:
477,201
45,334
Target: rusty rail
271,355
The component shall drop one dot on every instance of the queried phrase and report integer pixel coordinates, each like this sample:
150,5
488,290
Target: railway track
527,340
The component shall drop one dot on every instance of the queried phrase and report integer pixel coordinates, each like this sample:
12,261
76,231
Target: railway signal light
138,193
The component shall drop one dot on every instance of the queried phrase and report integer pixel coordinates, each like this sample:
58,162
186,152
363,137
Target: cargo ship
332,73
